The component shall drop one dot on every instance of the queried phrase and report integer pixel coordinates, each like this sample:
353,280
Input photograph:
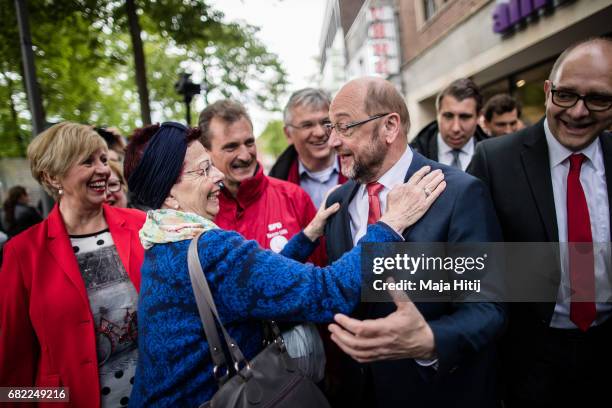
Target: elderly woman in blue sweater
171,173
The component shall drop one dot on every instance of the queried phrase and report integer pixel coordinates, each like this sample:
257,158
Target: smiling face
116,198
84,184
362,151
585,71
233,151
308,136
195,191
457,120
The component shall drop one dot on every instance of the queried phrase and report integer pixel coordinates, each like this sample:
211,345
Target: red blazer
47,333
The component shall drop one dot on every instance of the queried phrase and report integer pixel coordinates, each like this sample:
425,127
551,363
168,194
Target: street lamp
184,86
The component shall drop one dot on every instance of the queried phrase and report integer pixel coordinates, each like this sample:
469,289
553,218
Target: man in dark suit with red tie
404,354
552,182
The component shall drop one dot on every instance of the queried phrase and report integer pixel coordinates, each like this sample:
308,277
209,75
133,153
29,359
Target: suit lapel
341,228
418,161
606,147
536,164
433,148
58,244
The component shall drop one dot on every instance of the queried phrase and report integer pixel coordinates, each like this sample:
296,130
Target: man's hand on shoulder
402,334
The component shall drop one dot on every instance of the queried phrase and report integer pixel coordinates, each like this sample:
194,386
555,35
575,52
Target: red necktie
374,213
580,244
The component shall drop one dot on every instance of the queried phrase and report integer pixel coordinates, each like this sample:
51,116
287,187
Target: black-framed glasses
593,102
310,125
203,170
114,186
343,128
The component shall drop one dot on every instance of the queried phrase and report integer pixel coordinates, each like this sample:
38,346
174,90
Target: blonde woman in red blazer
68,286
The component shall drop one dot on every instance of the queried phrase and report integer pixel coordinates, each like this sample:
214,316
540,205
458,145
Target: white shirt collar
557,153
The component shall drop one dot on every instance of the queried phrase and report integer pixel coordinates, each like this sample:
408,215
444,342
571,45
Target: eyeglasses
310,125
593,102
343,129
202,171
114,186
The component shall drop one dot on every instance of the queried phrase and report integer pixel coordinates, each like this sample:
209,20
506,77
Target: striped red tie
580,244
374,212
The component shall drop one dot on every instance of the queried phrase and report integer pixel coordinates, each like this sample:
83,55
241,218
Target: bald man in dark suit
552,182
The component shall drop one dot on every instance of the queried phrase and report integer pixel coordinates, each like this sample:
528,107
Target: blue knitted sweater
248,284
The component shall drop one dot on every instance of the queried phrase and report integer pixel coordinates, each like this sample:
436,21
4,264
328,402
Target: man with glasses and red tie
552,182
405,355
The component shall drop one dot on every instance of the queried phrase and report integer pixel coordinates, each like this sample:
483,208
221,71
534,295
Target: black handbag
270,379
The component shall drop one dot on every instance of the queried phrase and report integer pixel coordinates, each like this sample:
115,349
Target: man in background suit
502,115
425,355
551,182
451,138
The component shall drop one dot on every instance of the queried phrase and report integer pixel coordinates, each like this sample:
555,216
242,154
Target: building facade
504,46
423,45
359,38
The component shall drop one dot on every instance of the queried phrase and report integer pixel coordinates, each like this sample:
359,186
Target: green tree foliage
67,48
86,71
272,140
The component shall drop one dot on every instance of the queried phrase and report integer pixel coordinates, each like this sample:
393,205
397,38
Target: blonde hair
53,152
118,170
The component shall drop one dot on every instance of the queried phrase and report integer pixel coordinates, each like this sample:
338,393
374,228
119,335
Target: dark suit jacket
464,333
516,168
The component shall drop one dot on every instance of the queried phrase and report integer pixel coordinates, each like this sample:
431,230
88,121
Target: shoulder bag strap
208,312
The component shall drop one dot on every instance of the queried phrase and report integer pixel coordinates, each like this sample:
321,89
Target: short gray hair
316,98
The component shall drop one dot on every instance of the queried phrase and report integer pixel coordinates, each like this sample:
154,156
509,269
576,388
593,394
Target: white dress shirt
593,180
445,153
359,207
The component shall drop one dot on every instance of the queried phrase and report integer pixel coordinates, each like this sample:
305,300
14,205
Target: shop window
527,87
497,87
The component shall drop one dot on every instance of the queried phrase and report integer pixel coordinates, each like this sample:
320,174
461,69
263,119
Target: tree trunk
29,70
12,125
139,62
19,137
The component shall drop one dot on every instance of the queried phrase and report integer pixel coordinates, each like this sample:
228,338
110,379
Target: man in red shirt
265,209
